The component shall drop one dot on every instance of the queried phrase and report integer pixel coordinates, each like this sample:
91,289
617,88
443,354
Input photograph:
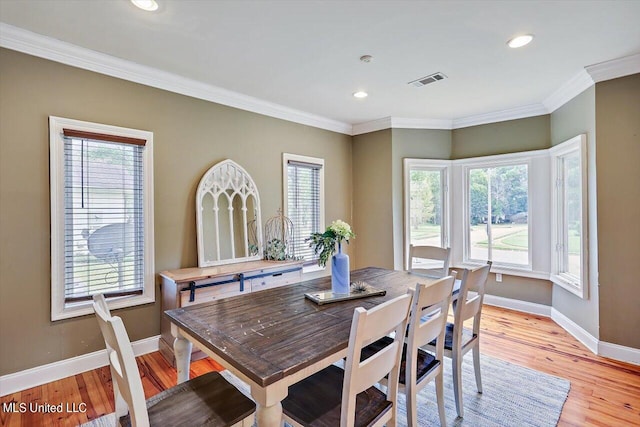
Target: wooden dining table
274,338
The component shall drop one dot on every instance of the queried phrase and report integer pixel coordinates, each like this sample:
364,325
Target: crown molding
565,93
372,126
399,122
584,79
590,75
615,68
501,116
49,48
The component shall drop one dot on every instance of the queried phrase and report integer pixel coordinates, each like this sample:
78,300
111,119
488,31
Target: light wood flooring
603,392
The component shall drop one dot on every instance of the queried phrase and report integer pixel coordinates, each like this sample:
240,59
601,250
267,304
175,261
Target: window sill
571,285
509,271
86,307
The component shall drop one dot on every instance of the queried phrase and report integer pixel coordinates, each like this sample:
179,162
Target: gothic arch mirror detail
228,216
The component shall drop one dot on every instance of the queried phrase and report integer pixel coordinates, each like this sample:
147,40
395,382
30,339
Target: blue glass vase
340,272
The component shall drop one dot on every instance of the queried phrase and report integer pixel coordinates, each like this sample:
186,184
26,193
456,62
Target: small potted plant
324,245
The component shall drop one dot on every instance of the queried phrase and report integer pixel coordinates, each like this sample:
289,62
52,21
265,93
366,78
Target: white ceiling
304,55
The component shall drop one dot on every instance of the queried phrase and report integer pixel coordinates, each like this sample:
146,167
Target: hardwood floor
603,392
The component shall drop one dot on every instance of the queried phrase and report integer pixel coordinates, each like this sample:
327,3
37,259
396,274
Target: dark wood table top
274,333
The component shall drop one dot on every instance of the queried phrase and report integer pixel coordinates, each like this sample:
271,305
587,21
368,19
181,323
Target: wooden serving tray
355,293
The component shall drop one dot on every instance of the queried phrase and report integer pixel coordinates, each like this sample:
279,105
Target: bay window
492,208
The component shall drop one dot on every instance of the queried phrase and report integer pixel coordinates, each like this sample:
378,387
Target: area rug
512,396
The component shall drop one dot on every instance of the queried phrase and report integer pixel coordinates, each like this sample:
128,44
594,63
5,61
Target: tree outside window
425,207
498,214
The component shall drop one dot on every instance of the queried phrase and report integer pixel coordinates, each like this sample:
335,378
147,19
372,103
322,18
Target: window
303,179
426,202
101,216
569,210
498,214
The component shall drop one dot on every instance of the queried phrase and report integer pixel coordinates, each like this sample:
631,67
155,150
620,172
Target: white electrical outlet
498,277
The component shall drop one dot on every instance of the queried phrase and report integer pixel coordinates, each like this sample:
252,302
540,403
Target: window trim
539,205
59,309
488,164
286,157
579,287
444,166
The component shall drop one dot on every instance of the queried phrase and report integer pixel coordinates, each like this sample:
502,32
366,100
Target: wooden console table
189,286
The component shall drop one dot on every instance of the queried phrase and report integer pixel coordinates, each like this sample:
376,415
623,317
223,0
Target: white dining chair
205,400
459,340
346,398
429,311
429,261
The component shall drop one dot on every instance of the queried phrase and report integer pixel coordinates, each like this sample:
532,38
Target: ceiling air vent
431,78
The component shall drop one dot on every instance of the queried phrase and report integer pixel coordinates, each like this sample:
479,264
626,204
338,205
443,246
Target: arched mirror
228,216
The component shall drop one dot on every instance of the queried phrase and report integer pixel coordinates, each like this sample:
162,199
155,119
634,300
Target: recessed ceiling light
148,5
360,94
520,41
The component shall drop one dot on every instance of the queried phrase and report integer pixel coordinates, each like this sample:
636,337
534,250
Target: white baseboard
619,352
39,375
518,305
576,330
567,324
601,348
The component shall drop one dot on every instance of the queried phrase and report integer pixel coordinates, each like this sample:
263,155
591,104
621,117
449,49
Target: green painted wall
576,117
511,136
190,135
618,183
372,197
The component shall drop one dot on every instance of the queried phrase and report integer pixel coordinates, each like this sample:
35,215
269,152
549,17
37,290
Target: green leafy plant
324,244
276,250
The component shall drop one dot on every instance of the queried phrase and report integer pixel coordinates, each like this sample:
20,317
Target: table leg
269,403
269,416
182,352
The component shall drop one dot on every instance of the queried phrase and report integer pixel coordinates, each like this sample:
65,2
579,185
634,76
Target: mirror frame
217,181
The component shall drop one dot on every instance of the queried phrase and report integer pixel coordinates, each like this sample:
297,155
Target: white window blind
304,205
103,216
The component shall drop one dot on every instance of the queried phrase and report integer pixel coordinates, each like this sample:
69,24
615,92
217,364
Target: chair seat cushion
205,400
316,401
426,362
467,336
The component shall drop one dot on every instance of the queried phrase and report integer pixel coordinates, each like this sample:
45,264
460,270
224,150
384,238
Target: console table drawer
275,280
210,293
